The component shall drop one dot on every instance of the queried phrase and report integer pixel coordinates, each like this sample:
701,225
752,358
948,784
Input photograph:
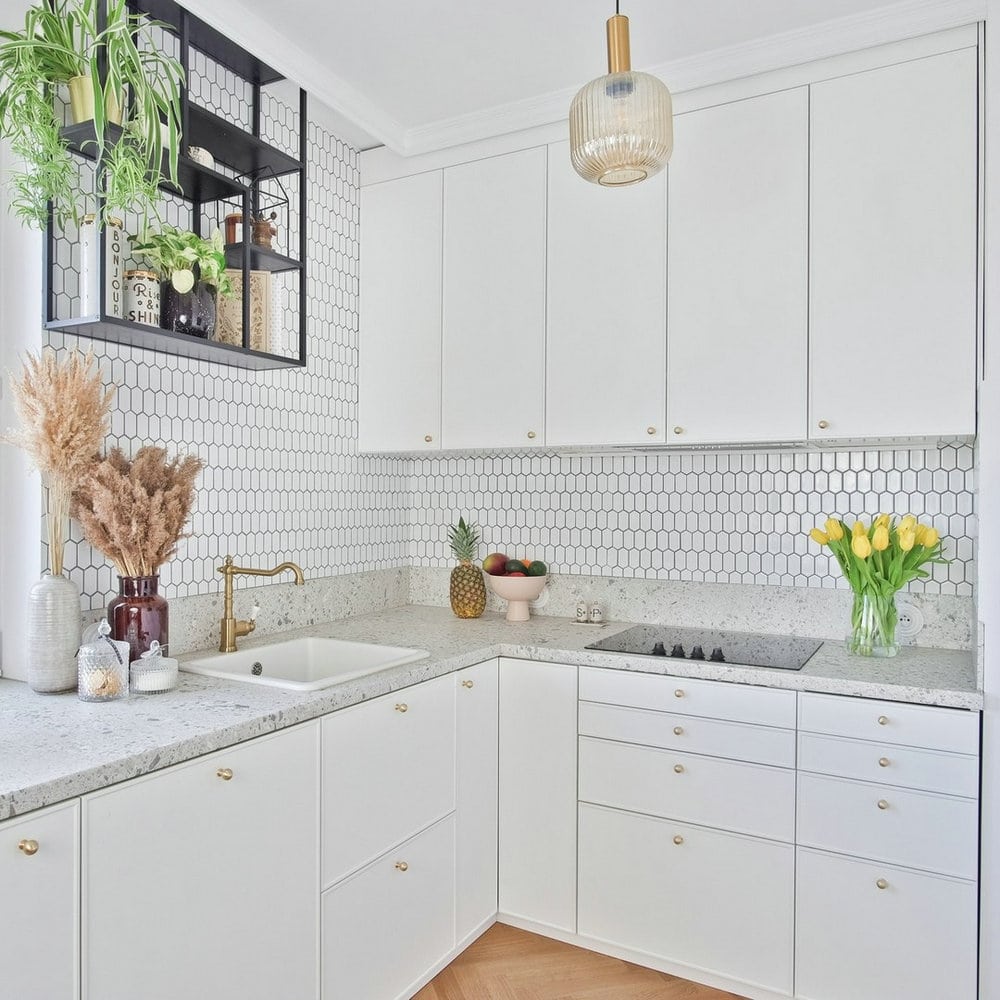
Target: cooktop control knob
697,653
658,650
678,651
717,655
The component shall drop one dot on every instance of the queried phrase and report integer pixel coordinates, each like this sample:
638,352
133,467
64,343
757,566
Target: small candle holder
153,673
102,667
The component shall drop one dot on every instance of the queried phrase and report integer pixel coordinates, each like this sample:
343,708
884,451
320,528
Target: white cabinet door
538,704
874,932
738,272
893,250
386,926
711,900
399,384
494,302
202,880
39,897
606,333
388,772
477,718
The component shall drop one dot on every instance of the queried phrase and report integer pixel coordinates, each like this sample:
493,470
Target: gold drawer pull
823,424
883,762
650,430
678,730
678,430
531,435
402,866
467,684
428,438
679,693
678,768
402,707
678,840
882,804
28,847
883,720
881,884
226,773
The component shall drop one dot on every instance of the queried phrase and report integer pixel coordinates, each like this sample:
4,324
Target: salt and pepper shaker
596,613
582,611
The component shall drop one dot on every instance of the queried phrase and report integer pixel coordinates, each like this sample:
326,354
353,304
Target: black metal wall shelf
239,149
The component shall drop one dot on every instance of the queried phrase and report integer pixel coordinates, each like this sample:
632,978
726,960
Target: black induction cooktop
779,652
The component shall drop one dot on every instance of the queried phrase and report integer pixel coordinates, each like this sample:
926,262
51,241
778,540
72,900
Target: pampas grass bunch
63,409
135,510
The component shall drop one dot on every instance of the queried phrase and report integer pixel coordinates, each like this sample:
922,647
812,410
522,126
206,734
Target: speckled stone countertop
55,747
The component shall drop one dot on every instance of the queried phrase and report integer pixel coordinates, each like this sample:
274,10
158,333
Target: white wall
989,519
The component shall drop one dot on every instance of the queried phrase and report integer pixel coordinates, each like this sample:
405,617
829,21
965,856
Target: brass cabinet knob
679,693
467,684
883,762
650,430
226,773
823,424
428,438
882,804
402,866
402,707
28,847
678,768
883,720
880,883
678,840
678,430
678,730
531,435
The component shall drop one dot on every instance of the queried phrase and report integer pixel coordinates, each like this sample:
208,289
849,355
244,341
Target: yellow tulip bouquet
878,561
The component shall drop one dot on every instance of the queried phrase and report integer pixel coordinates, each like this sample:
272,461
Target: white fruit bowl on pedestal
518,592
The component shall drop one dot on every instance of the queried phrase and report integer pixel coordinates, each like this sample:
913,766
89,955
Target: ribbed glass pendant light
621,128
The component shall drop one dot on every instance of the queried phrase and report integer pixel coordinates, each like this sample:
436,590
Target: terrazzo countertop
55,747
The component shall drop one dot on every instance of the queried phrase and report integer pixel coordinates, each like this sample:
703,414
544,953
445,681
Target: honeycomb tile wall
716,517
283,477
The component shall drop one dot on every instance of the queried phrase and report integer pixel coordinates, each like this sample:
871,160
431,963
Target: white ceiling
397,71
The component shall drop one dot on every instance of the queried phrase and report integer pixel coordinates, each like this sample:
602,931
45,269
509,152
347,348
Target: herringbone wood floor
510,964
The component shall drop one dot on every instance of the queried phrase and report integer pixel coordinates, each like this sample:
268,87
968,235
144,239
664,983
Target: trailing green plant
175,252
60,41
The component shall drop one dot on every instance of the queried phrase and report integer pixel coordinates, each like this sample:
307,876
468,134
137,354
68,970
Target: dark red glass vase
138,615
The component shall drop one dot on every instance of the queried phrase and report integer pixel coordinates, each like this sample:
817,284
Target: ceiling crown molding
892,23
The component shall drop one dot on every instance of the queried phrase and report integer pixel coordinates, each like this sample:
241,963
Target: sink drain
257,669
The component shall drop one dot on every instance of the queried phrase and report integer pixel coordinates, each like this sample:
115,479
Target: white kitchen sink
303,664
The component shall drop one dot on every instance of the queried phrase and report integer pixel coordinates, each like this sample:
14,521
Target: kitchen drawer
760,744
930,770
388,771
387,925
685,696
890,722
914,939
729,795
714,901
937,833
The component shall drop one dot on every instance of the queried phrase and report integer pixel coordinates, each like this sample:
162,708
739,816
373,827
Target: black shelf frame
241,151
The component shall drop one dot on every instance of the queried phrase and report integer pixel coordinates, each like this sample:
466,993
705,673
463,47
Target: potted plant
61,44
192,271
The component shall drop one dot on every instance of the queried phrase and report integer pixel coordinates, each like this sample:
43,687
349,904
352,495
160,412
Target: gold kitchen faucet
230,628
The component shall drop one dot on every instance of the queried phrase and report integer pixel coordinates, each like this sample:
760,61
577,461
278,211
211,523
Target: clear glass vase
873,625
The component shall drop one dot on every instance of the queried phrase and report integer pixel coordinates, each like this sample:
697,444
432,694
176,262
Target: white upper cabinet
738,272
606,334
399,392
494,302
893,250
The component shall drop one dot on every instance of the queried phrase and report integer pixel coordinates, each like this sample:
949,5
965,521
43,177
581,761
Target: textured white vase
54,628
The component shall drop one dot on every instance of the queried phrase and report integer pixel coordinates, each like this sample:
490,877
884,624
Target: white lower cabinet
538,734
202,880
39,897
476,730
715,901
387,925
869,931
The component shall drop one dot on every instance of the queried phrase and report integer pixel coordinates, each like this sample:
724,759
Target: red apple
495,563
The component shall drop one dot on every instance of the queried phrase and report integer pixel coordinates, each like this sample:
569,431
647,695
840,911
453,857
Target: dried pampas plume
63,409
135,511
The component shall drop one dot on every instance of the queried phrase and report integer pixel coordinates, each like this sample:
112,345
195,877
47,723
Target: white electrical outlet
911,621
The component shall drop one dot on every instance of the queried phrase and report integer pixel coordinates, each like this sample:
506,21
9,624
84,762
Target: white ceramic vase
54,629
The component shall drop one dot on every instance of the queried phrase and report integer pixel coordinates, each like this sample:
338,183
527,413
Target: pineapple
467,590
